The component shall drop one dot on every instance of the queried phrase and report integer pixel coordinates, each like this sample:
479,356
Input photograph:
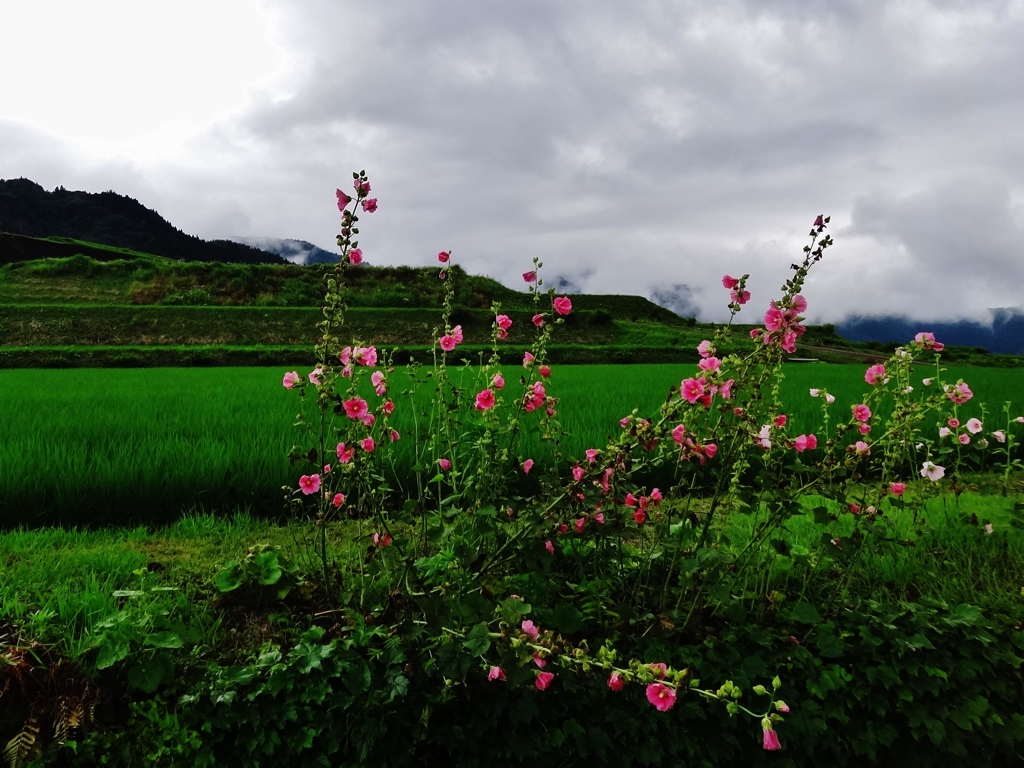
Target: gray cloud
630,147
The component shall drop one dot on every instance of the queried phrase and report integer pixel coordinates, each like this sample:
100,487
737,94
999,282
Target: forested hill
110,219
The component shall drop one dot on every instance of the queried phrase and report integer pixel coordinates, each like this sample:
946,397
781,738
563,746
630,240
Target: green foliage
262,577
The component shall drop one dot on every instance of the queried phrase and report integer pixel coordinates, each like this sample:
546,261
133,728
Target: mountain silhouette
110,219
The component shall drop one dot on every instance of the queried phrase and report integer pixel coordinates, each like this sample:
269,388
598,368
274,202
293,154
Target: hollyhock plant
739,297
771,738
999,435
496,673
531,630
959,393
530,277
897,489
338,500
291,379
444,256
563,305
370,204
309,484
729,282
484,400
355,256
861,412
527,466
661,696
544,680
444,464
615,682
974,426
447,342
355,407
498,381
504,322
343,199
932,471
927,340
345,453
963,438
804,443
875,374
538,320
367,444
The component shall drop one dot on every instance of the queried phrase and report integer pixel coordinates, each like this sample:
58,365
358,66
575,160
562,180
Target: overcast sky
641,147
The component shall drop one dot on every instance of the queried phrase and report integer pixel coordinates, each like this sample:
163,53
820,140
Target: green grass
99,446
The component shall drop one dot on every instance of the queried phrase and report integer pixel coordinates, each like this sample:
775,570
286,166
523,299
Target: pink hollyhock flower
531,630
544,371
444,464
544,680
774,318
875,374
503,321
830,399
355,407
381,541
943,432
656,496
739,297
799,304
771,738
999,435
355,256
591,454
362,187
394,435
640,517
855,509
442,275
345,454
710,450
964,438
861,412
365,356
780,420
815,392
343,199
959,393
498,381
691,390
606,480
661,696
327,469
630,500
549,546
755,332
309,484
678,433
377,378
443,256
709,364
484,400
659,669
729,282
370,205
496,673
927,340
705,348
932,471
615,682
539,660
528,360
974,426
538,320
805,442
314,376
861,448
954,423
367,444
457,334
345,356
764,437
562,305
388,408
579,524
447,343
368,419
864,428
291,379
577,473
782,707
725,389
897,489
338,500
530,277
599,518
527,466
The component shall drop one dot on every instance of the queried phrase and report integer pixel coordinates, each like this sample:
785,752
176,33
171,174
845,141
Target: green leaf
822,515
805,613
114,648
147,674
128,592
230,578
478,640
567,619
165,639
270,568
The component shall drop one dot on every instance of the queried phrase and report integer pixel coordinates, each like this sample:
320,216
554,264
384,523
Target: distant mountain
295,251
1005,334
110,219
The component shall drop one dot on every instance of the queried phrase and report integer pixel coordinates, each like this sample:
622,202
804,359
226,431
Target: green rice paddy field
116,446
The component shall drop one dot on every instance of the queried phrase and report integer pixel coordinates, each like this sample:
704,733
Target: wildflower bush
505,605
586,577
